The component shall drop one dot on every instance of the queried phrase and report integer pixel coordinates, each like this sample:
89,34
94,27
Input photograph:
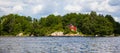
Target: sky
42,8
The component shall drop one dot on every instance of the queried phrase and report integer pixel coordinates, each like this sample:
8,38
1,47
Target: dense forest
90,24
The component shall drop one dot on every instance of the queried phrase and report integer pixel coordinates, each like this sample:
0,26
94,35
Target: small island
71,24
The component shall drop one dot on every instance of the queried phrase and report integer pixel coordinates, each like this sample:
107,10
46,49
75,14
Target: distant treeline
89,24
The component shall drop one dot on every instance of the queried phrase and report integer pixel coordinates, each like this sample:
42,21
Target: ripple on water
59,45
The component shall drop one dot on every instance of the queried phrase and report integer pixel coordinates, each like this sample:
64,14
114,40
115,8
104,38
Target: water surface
59,44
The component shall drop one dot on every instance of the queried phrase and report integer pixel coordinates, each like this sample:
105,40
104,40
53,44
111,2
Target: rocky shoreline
59,34
62,34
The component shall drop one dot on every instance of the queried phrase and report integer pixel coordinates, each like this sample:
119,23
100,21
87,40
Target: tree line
89,24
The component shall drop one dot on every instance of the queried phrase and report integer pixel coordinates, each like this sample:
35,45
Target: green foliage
13,24
117,29
68,19
115,24
89,24
50,24
1,26
96,25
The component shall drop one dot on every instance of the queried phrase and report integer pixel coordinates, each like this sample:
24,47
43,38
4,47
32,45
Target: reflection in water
59,45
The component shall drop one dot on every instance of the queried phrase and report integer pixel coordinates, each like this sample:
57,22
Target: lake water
59,44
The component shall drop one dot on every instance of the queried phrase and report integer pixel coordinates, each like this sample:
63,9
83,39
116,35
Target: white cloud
17,8
14,9
4,3
103,6
8,6
10,3
56,13
94,5
37,9
117,19
73,8
4,9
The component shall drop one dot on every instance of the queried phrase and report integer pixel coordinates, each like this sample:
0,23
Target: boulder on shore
20,34
57,34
